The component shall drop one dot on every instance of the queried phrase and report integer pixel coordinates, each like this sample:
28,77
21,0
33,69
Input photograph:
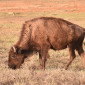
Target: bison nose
14,67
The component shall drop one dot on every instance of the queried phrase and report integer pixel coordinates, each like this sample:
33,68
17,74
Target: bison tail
83,30
84,35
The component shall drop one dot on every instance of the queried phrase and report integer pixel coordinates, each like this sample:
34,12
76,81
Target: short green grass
54,74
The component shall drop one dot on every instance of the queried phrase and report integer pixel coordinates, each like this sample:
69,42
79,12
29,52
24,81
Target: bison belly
59,44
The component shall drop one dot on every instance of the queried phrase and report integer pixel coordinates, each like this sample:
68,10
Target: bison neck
25,37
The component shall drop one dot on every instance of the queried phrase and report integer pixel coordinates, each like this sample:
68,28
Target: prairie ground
13,14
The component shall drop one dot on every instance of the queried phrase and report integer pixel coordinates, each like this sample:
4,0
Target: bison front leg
83,59
42,60
43,55
72,56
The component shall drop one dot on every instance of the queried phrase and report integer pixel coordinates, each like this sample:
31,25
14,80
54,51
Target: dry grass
28,74
54,74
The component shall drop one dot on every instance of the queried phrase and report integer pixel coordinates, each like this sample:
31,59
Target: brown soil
41,6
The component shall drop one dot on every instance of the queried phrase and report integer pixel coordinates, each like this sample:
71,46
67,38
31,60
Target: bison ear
19,50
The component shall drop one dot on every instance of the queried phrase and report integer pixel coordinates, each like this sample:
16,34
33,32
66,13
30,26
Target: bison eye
13,56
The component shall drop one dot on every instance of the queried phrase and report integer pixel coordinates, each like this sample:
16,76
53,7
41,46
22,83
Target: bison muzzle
44,33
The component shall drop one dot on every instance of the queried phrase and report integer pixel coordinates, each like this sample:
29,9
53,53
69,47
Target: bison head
16,57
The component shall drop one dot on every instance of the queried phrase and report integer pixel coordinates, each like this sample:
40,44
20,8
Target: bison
44,33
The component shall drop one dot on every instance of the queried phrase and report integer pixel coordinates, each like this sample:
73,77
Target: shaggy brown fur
42,34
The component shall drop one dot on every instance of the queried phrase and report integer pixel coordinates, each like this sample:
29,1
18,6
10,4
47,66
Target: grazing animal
44,33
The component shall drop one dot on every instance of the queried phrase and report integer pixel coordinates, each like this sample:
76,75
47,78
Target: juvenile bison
42,34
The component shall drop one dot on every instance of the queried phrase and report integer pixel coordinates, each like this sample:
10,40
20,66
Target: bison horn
14,49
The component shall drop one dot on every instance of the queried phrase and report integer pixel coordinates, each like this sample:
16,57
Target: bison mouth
13,67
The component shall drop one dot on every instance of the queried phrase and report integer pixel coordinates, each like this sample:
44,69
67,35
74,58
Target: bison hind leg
81,53
72,56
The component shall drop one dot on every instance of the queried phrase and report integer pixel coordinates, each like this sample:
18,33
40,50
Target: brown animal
44,33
